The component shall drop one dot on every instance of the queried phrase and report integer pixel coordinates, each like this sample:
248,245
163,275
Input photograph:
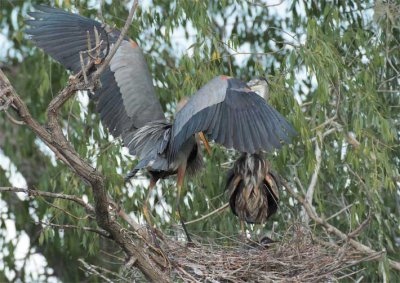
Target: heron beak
205,142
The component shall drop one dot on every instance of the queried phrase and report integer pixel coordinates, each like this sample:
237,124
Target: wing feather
135,82
126,101
241,119
239,140
215,123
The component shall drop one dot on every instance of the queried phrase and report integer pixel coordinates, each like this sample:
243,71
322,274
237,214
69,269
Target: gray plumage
136,85
151,146
225,109
127,100
231,114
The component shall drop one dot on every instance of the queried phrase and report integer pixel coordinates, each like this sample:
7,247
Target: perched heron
225,109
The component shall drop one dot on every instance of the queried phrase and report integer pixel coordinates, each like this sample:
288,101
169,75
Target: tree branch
219,209
314,178
332,229
69,226
33,193
124,30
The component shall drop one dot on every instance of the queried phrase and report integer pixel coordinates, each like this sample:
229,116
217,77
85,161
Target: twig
361,227
91,269
264,5
13,120
33,193
339,212
124,30
332,229
314,177
106,271
84,228
222,208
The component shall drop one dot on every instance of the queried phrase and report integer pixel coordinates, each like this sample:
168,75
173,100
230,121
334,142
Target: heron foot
188,238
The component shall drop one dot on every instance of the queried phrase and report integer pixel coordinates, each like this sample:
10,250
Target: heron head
260,86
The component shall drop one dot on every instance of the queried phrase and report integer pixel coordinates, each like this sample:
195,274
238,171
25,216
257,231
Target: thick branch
60,146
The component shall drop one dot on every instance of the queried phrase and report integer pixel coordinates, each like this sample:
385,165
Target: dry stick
69,226
34,193
339,212
89,268
332,229
209,214
105,271
118,43
13,120
314,177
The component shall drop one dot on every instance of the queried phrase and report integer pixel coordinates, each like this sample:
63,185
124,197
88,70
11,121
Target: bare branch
33,193
333,230
222,208
13,120
92,270
314,177
119,41
68,226
264,5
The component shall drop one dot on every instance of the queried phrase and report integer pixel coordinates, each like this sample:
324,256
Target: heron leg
146,203
243,229
205,142
181,177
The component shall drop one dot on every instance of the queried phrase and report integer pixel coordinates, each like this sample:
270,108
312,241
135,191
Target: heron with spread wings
224,110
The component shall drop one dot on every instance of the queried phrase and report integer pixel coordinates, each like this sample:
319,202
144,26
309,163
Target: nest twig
297,257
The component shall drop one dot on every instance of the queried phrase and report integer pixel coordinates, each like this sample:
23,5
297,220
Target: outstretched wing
126,101
228,112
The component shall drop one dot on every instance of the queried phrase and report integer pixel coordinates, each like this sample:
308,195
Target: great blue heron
225,109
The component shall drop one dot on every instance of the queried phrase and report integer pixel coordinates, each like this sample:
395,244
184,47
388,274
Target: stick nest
298,256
